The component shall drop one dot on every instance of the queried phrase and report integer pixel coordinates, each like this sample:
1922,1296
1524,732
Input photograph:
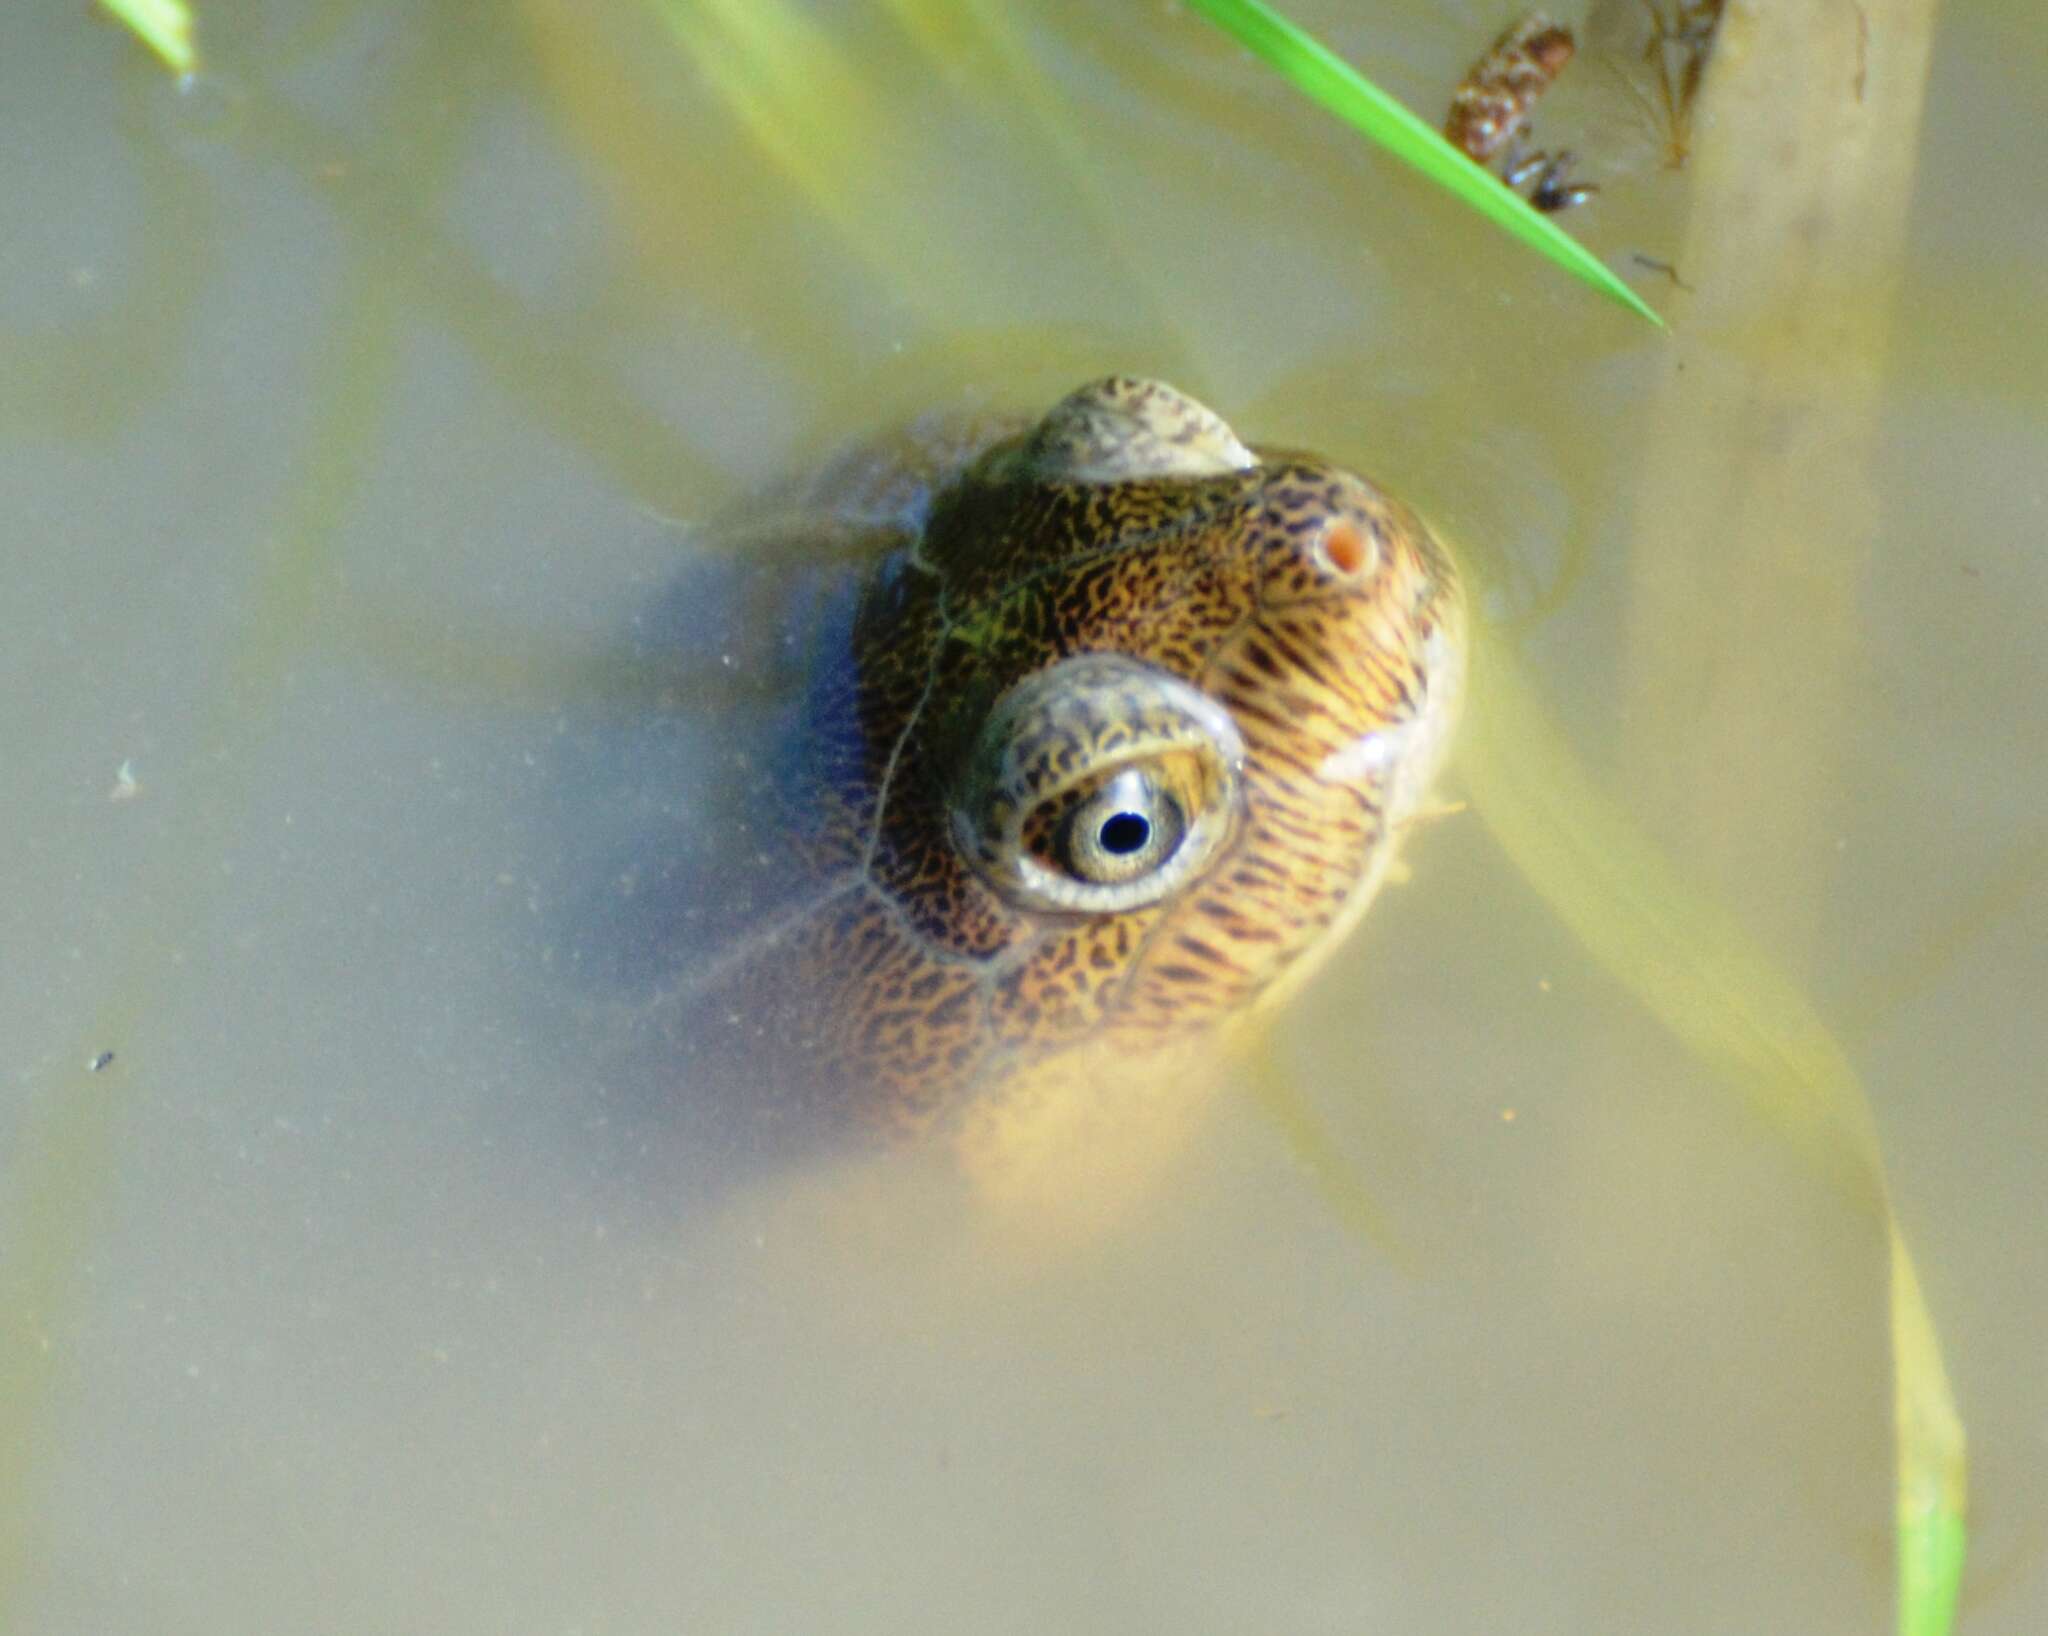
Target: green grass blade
1692,964
165,26
1931,1461
1324,77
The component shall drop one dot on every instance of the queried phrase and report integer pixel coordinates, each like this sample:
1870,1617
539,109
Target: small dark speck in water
1663,267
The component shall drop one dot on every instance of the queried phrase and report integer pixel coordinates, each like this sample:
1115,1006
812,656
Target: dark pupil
1125,833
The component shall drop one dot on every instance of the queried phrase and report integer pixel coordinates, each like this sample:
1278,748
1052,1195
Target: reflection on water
348,419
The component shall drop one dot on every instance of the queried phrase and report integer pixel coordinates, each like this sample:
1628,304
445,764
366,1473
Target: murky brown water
349,405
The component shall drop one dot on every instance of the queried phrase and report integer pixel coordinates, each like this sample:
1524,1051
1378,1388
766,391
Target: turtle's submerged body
1047,749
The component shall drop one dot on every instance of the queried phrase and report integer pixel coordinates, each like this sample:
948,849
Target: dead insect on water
1681,42
1490,109
1548,176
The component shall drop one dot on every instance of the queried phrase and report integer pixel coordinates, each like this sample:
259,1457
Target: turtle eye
1125,830
1099,784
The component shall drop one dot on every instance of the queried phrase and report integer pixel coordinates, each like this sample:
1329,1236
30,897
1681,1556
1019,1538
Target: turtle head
1209,687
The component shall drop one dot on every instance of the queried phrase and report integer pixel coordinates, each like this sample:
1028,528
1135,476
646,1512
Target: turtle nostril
1345,548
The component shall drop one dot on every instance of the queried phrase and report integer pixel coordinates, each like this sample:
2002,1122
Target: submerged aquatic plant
1691,964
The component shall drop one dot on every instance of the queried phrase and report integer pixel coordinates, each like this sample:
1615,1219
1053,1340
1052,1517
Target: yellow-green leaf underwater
1686,958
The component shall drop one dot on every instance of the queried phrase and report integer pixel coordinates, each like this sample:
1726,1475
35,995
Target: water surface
352,404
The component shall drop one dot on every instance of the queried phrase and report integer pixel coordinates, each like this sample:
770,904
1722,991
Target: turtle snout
1347,544
1339,530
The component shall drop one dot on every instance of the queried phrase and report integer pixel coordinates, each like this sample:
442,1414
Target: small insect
1492,103
1553,189
1680,43
1490,110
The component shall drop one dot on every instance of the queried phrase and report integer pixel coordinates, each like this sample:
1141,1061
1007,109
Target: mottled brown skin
862,962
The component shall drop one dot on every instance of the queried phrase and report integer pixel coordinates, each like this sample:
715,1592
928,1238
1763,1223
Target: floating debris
1664,267
1490,109
1680,44
1553,190
1492,103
